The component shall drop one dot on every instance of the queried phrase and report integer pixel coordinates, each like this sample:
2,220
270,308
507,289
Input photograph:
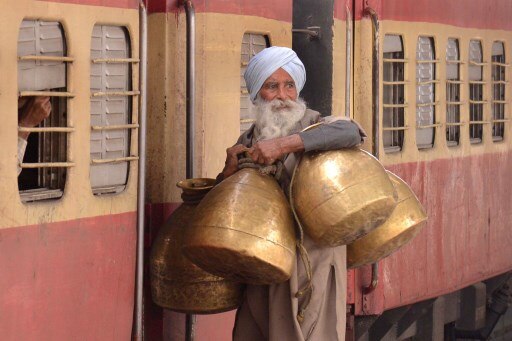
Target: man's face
279,85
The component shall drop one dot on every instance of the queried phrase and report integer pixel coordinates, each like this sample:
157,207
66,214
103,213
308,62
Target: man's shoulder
246,136
310,117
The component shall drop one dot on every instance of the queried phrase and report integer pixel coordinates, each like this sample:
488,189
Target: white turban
268,61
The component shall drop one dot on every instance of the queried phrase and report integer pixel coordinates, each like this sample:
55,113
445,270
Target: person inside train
31,112
274,79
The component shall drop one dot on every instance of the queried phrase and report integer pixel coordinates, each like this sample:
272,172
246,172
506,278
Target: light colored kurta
270,312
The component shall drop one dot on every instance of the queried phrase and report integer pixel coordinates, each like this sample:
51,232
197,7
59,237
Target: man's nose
281,93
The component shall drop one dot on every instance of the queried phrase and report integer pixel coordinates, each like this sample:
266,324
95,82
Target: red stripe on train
467,238
105,3
271,9
483,14
68,280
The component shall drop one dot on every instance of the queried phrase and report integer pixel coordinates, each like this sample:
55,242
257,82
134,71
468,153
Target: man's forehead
279,75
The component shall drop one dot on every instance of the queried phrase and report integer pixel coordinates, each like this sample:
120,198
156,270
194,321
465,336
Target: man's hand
36,111
266,152
231,166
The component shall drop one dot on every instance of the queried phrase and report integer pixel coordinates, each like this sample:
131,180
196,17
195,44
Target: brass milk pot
176,283
405,222
341,195
243,230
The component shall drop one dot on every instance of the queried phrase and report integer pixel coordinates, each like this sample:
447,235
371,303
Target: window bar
455,103
435,81
477,82
435,125
404,105
473,63
248,120
450,61
394,128
116,127
431,104
115,60
480,122
116,160
499,102
115,93
500,64
47,129
427,61
450,81
477,102
455,123
47,165
45,93
392,60
48,58
500,120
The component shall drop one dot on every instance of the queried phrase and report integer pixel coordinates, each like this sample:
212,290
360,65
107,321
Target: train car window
393,93
251,44
425,92
453,101
42,110
111,109
498,91
476,91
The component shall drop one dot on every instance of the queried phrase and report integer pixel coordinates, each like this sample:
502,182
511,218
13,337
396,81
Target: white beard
277,118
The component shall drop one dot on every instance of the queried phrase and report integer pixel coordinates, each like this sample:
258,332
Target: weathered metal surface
68,278
177,283
403,225
243,230
341,195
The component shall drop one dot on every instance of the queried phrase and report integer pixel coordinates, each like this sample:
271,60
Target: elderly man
274,78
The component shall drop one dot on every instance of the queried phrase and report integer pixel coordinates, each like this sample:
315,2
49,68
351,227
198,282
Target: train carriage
68,224
429,81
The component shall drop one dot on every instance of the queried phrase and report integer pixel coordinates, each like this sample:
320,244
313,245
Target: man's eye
271,86
290,85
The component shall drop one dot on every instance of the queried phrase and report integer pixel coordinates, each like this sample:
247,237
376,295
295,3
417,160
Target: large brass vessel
243,230
404,224
178,284
341,195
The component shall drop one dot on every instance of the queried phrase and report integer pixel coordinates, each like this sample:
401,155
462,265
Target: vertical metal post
191,51
348,67
139,304
191,43
375,108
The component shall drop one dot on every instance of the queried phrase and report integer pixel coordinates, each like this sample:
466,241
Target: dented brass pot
176,283
243,230
405,222
341,195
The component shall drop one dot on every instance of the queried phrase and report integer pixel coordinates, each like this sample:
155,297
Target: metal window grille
111,109
251,45
425,92
42,64
498,91
453,100
476,91
393,94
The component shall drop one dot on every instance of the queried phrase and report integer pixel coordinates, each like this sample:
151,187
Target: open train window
498,91
42,110
425,92
453,100
476,91
252,43
111,109
393,93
